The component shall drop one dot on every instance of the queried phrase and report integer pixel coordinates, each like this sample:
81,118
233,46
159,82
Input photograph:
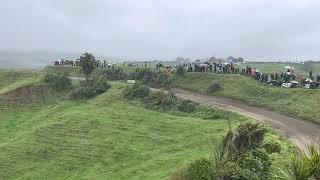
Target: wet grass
302,103
11,79
103,138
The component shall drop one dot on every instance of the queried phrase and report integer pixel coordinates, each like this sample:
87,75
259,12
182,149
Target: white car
131,81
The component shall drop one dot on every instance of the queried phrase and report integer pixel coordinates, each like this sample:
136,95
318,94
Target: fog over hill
146,29
39,59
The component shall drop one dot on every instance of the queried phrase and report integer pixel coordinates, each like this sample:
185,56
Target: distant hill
39,59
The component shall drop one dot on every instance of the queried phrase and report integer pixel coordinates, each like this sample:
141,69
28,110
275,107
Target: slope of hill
10,79
302,103
105,137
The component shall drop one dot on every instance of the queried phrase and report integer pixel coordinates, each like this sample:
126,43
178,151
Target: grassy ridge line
18,84
302,103
10,80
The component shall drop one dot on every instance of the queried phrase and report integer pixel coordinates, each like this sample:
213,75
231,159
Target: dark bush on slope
58,82
136,91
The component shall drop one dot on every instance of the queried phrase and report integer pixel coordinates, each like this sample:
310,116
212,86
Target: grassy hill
303,103
105,137
11,79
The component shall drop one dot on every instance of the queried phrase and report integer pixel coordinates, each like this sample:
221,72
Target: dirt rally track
300,132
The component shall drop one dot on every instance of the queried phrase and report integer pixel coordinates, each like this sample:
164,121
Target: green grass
302,103
279,67
71,70
103,138
10,80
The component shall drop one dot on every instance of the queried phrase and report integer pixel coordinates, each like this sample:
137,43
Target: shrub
98,82
213,88
249,136
151,78
199,169
115,74
305,165
136,91
91,87
251,165
83,93
58,82
101,84
186,106
180,70
272,147
239,156
160,100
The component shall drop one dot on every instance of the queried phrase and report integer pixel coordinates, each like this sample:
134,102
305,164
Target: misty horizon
146,30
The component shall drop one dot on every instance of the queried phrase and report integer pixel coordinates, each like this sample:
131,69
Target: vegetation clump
186,106
239,156
98,82
136,91
305,165
199,169
169,102
272,147
83,93
90,88
214,88
180,70
114,74
161,101
151,78
87,63
58,82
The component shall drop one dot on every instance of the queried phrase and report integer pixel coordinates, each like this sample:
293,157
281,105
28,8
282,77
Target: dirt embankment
22,96
23,91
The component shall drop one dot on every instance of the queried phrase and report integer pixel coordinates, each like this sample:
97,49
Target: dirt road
298,131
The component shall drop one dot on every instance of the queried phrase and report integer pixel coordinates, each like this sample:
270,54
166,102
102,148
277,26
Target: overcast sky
255,29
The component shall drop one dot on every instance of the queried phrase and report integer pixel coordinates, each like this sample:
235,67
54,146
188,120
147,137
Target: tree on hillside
87,62
180,59
231,58
180,70
212,59
58,82
220,60
240,59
